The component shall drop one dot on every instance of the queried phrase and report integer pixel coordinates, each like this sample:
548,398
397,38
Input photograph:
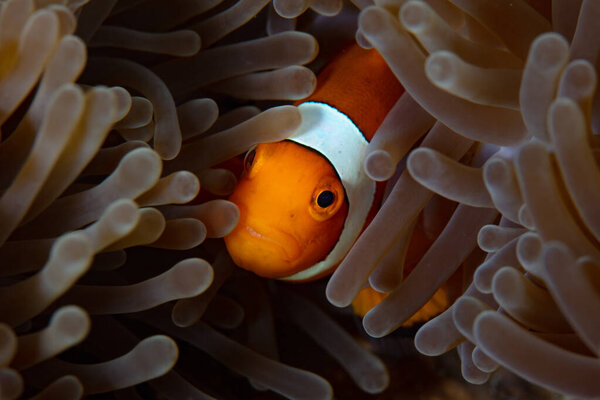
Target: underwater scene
300,199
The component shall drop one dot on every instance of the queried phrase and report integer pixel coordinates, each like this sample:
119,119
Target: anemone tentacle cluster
116,114
107,129
521,86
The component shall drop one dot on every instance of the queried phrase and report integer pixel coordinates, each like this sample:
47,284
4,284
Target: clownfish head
292,210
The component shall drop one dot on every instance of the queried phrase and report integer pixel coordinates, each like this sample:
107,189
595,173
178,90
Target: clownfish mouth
264,250
286,242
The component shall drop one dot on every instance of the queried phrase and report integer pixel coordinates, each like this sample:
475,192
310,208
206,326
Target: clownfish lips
288,244
264,250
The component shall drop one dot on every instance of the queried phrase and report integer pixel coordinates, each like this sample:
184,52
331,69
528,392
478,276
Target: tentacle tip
379,165
73,321
427,342
440,68
482,281
290,114
182,317
168,149
549,49
422,164
374,327
160,351
337,299
496,171
192,276
231,216
414,15
288,9
188,184
375,383
371,19
476,378
529,248
464,313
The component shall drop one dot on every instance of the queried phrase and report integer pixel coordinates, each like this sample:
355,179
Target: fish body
304,201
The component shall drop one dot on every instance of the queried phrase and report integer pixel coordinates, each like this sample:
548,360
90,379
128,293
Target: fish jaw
265,250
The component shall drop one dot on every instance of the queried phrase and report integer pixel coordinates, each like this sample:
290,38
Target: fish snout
263,249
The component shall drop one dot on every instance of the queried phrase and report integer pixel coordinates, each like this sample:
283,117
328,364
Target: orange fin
443,298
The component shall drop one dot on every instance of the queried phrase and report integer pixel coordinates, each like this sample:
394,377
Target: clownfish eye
249,158
325,199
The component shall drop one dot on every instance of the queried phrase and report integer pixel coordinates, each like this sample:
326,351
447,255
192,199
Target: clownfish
304,201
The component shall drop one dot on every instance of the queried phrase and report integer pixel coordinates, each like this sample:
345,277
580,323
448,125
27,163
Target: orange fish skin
267,240
359,84
285,176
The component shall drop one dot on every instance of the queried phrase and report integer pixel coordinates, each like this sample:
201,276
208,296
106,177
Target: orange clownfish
304,201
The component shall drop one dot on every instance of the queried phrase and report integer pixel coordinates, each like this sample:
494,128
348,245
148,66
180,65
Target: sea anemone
113,173
502,76
100,259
